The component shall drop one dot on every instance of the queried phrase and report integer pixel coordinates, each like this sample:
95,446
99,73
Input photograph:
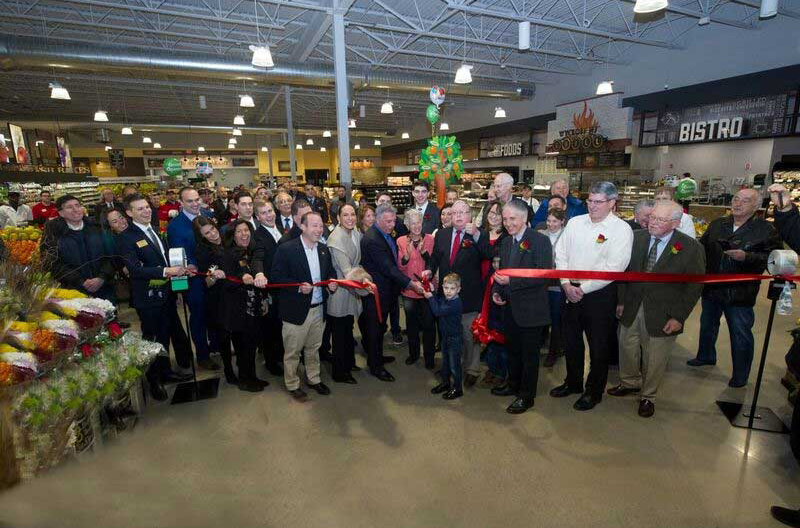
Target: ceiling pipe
26,52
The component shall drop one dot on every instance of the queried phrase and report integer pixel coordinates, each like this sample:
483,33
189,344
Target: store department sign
505,146
748,118
596,124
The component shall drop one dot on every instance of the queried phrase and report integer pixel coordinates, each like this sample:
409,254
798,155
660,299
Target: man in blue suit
181,234
575,207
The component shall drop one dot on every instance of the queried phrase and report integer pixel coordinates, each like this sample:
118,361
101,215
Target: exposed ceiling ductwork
26,52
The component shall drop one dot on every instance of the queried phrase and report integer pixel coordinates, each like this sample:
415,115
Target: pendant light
351,123
146,139
605,88
262,57
238,120
444,126
264,149
326,133
101,115
237,132
127,131
387,108
58,92
246,101
156,145
309,141
232,141
323,149
377,143
201,149
499,113
356,147
463,73
649,6
108,147
405,135
768,9
298,147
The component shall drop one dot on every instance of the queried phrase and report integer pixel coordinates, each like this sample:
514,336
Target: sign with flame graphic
597,124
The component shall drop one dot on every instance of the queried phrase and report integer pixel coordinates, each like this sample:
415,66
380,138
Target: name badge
141,243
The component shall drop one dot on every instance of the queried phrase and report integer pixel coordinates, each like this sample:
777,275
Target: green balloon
172,166
432,113
685,189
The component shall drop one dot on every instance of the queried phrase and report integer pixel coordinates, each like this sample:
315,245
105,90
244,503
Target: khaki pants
305,338
638,347
472,350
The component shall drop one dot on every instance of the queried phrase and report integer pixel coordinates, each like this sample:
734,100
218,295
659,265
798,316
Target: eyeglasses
596,202
659,219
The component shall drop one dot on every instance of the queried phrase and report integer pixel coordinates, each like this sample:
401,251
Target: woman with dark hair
242,305
366,217
496,353
556,219
209,256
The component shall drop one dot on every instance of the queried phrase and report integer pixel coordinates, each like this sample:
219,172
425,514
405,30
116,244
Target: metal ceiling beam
561,25
698,15
316,28
488,43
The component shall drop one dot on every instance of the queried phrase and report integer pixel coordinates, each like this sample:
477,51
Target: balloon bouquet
440,163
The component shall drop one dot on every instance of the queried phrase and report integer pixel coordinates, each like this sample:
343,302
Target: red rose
601,238
466,243
524,245
114,330
86,350
677,247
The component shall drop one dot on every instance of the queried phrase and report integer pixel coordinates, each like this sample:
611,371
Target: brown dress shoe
621,390
646,408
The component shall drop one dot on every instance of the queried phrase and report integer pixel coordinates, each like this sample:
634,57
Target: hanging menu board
116,157
753,117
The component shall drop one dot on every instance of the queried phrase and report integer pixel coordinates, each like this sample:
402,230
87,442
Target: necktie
652,256
286,223
454,249
154,240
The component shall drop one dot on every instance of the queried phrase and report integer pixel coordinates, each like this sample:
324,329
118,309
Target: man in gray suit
652,314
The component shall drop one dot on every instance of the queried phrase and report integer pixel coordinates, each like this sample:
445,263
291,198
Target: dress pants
523,343
195,300
162,325
419,319
472,349
271,338
344,358
395,320
643,358
497,359
303,339
244,343
372,332
740,321
556,299
594,314
451,361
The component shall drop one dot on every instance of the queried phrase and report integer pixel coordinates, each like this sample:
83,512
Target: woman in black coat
242,305
209,257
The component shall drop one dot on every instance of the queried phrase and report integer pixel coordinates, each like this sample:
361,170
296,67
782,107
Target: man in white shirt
599,241
283,201
430,213
24,212
244,208
527,197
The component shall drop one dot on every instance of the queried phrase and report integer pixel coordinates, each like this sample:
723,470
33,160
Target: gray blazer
346,254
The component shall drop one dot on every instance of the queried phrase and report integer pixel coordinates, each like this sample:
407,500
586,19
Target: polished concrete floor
391,454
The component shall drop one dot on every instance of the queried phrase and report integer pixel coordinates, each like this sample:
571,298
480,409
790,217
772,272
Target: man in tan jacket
652,314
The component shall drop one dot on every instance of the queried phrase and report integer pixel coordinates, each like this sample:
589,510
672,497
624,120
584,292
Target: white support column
340,71
290,128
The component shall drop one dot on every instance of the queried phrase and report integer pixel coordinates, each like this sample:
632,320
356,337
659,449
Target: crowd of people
435,265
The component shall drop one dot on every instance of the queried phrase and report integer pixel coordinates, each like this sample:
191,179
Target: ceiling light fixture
649,6
769,8
404,135
524,35
605,88
237,132
101,115
444,126
298,147
146,139
322,149
238,120
232,141
377,143
201,149
58,92
156,145
326,133
309,141
262,57
463,74
264,149
108,147
387,108
499,112
357,147
352,123
246,101
362,111
127,131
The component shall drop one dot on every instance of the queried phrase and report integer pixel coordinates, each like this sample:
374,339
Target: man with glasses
575,207
599,241
430,213
652,314
400,229
738,243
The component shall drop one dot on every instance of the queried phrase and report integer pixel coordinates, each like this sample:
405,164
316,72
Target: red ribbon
358,285
482,333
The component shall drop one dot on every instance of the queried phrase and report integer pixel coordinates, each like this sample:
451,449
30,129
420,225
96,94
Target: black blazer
527,298
264,247
237,262
290,265
431,219
144,264
292,234
378,259
207,257
467,264
101,209
320,207
72,260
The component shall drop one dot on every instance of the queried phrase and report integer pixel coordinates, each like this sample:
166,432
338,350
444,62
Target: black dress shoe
274,368
388,359
621,390
786,516
320,388
519,406
452,394
410,360
347,379
736,384
355,368
250,386
504,390
258,381
299,395
586,402
174,377
440,388
383,375
646,408
563,391
158,392
700,362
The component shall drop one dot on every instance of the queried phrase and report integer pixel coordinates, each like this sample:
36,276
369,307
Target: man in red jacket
45,209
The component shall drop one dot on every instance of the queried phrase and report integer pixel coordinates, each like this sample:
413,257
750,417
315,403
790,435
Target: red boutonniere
466,243
524,246
677,248
601,239
426,217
